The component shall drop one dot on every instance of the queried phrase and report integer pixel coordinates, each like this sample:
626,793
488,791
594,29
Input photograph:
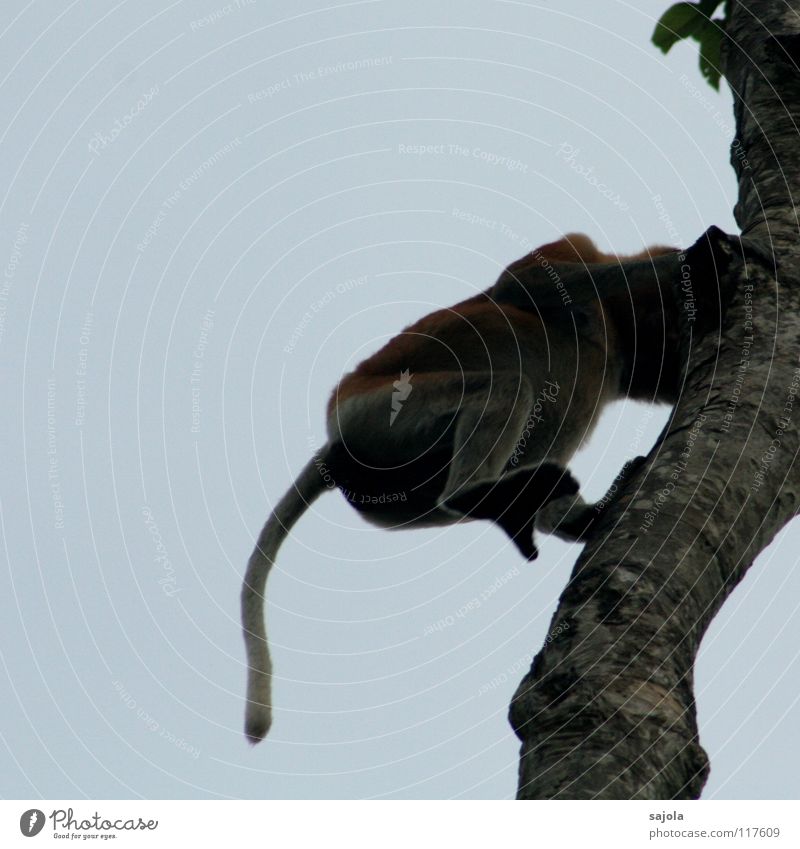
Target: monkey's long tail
309,485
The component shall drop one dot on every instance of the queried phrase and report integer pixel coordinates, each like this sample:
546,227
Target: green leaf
708,7
676,23
710,39
693,20
682,20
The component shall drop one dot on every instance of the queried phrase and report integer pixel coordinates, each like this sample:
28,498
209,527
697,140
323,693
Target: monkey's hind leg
513,501
489,429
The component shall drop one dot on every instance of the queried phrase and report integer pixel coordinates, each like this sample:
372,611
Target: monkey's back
476,335
480,342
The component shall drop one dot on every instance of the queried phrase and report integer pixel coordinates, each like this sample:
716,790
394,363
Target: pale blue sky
209,213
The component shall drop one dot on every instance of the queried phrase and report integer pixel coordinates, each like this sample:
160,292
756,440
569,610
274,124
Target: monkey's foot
571,518
568,517
511,502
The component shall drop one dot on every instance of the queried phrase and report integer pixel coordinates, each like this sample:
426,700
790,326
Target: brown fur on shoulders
578,247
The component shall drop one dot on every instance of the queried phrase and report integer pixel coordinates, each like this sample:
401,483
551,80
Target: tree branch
607,710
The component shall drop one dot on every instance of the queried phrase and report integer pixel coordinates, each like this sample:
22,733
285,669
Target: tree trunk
607,710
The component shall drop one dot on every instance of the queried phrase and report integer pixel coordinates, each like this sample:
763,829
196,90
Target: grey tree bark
607,710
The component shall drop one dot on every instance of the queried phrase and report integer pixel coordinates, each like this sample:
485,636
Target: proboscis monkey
474,412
